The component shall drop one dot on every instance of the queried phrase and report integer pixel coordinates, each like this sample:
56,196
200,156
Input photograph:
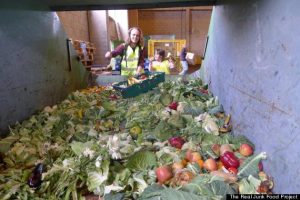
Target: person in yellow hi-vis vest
131,52
159,63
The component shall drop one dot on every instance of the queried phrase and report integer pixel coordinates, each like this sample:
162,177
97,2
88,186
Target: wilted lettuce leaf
152,192
199,186
97,179
5,143
250,165
109,106
118,196
158,193
216,109
176,120
194,109
79,147
204,186
164,131
141,160
122,177
245,187
166,99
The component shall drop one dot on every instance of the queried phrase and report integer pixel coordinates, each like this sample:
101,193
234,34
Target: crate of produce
144,83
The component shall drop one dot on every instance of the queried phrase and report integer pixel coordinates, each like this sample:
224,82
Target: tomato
163,174
232,170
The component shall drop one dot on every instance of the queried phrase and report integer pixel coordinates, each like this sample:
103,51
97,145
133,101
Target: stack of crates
172,46
85,51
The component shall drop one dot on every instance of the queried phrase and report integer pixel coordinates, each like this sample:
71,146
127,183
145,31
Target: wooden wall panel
133,18
189,23
75,24
99,35
199,28
157,22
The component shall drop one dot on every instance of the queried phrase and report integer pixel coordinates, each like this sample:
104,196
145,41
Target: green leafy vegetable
141,160
250,165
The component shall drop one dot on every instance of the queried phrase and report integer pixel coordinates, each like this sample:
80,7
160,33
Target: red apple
173,105
176,142
177,166
163,173
246,150
210,164
193,156
188,155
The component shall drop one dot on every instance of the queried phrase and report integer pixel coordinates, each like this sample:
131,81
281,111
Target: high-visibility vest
163,66
130,60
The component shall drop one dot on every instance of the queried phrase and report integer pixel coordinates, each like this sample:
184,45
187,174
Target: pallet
87,62
85,52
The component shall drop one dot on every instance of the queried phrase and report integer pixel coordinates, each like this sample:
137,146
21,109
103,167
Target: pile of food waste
173,142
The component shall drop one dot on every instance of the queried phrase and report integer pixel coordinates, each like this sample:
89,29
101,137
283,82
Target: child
159,63
183,61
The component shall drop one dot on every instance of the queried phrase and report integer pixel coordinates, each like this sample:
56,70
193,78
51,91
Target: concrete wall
34,68
252,62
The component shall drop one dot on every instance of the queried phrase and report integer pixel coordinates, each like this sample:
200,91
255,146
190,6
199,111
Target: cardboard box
193,59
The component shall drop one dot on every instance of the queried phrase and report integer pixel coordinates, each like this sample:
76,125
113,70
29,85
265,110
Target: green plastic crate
153,79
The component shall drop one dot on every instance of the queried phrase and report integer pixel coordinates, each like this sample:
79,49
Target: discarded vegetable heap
96,142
